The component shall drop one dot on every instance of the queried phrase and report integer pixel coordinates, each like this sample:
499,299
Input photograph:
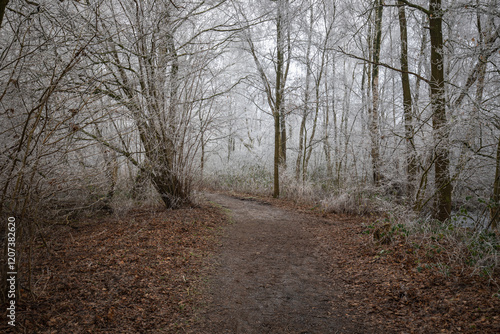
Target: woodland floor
243,265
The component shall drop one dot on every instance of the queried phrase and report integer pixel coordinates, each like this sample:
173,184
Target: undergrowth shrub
357,201
253,179
302,191
441,246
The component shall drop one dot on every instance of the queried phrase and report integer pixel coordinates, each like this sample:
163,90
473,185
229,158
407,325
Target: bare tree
374,110
36,65
438,103
152,63
411,167
315,61
275,93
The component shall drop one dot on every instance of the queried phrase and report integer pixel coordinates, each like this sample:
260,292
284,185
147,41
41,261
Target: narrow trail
270,276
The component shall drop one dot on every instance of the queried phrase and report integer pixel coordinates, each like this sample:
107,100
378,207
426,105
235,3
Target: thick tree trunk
172,190
495,198
411,166
279,114
373,128
442,210
281,76
276,192
3,5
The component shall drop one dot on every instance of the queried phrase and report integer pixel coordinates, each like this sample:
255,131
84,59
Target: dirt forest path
271,276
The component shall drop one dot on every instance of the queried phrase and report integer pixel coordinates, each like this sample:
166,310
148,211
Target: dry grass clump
299,191
247,179
356,201
442,247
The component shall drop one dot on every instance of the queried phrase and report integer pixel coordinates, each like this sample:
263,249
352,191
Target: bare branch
412,5
384,65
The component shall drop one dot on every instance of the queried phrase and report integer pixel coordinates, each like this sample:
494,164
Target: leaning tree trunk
171,188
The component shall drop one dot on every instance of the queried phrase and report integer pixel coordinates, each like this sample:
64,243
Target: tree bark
281,73
495,198
326,129
300,168
423,180
3,5
373,128
276,192
156,116
442,210
411,166
282,33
